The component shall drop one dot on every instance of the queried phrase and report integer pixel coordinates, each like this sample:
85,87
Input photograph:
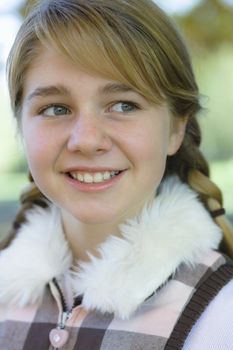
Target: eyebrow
52,90
60,90
112,88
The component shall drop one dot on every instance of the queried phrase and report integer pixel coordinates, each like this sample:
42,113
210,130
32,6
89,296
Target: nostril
100,150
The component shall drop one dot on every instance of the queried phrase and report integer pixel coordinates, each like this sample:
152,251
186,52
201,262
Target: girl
116,245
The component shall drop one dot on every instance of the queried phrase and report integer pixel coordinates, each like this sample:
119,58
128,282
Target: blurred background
208,28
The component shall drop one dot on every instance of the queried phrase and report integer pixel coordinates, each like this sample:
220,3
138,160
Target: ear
177,132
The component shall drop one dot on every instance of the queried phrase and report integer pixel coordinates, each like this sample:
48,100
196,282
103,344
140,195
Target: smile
96,177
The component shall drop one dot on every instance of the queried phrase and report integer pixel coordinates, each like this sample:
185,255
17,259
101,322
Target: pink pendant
58,337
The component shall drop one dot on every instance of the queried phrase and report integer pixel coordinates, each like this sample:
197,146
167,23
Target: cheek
146,151
37,146
148,144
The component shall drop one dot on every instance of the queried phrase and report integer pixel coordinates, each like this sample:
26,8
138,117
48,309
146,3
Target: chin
96,217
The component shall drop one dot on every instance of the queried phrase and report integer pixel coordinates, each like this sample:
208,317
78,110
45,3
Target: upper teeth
94,177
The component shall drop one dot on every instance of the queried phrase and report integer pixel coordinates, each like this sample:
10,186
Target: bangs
103,45
132,42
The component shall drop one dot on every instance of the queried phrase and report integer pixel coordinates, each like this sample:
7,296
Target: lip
90,170
94,187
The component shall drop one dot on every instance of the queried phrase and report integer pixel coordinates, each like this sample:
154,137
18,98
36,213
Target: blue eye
55,110
124,107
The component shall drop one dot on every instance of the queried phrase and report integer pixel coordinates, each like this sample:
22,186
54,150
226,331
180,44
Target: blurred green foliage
209,24
215,78
208,29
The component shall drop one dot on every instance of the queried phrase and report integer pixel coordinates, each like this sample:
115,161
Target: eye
124,107
54,110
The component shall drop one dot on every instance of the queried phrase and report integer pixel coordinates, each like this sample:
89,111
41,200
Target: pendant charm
58,337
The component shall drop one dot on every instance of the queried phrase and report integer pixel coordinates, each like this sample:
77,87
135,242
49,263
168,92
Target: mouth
94,177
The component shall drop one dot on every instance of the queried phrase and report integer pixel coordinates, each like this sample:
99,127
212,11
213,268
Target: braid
191,166
212,198
189,155
29,197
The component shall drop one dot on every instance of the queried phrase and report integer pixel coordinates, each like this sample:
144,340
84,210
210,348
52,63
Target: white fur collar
174,229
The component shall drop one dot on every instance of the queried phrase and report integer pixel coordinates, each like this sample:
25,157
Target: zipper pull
59,336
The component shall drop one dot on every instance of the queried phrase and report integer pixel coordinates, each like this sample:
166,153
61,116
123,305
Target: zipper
59,336
64,317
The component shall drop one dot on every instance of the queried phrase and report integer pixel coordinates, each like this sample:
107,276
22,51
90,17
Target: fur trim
175,229
37,254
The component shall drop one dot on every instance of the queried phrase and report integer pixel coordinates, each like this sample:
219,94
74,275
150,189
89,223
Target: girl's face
95,147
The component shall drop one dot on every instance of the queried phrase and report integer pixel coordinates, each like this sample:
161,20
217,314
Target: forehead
53,73
57,60
49,58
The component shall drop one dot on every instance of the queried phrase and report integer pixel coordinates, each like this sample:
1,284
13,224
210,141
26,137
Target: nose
89,135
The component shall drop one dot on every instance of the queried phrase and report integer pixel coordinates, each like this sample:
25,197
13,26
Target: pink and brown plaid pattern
162,321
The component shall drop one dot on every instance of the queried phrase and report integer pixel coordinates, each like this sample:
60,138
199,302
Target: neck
85,238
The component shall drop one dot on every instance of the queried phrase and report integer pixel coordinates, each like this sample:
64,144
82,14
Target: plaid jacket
163,321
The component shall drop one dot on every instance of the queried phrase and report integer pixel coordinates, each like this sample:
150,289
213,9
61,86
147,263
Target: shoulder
211,293
214,329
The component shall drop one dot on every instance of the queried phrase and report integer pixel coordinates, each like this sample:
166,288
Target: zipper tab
59,336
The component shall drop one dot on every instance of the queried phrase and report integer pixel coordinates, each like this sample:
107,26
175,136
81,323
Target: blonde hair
133,42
